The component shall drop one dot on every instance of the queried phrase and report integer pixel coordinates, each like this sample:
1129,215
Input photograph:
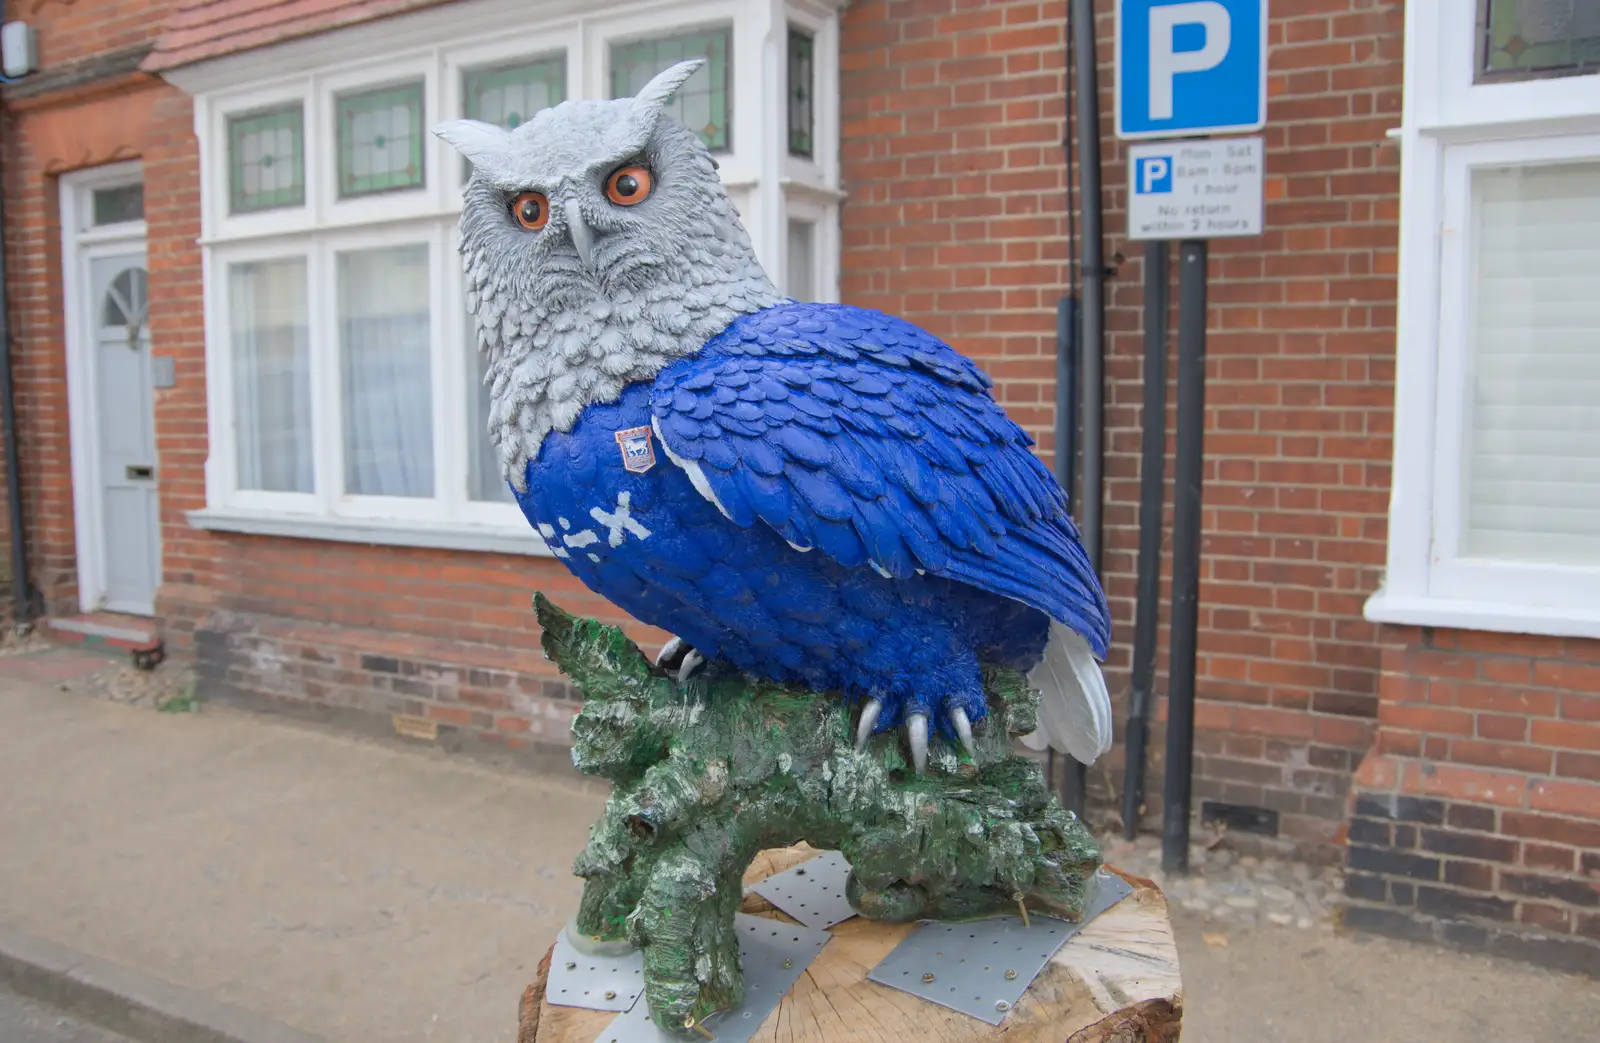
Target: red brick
1432,720
1545,856
1546,917
1579,799
1502,755
1580,707
1577,677
1571,832
1569,735
1578,765
1471,785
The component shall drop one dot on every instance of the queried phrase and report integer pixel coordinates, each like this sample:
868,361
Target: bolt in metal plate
812,892
590,979
765,946
968,962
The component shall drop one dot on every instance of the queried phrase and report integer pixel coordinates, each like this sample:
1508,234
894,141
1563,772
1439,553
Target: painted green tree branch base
708,773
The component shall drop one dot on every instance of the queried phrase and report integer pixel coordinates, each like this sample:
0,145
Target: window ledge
435,536
1496,616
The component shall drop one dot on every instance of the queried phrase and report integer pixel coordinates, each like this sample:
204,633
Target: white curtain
272,374
802,261
1532,430
483,478
384,360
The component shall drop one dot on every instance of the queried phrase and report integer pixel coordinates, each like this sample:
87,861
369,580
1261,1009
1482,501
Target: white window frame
1451,126
438,46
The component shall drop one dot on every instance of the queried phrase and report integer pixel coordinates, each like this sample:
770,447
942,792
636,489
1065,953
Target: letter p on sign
1189,67
1166,61
1154,175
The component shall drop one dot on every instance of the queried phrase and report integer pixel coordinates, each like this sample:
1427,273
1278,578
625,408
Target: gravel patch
1237,890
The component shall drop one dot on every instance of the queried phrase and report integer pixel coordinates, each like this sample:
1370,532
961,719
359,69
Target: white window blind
1531,471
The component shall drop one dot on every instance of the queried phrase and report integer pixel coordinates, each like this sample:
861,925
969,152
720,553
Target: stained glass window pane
704,104
116,205
1528,38
510,95
800,90
380,140
266,159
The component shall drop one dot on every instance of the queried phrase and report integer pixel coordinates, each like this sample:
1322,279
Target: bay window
1495,512
347,397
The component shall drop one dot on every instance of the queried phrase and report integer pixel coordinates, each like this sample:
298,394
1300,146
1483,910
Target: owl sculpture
813,493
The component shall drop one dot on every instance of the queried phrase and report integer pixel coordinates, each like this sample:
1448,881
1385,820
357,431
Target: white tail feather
1074,706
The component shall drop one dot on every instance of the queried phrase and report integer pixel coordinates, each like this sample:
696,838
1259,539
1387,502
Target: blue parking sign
1190,67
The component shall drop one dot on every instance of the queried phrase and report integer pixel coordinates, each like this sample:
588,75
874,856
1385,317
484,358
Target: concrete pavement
353,891
359,892
24,1021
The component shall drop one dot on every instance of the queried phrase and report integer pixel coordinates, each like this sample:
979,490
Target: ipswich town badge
638,454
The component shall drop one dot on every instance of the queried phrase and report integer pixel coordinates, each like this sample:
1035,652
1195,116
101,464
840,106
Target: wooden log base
1115,981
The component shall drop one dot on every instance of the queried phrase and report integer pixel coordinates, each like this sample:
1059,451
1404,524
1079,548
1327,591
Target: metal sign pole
1152,474
1192,256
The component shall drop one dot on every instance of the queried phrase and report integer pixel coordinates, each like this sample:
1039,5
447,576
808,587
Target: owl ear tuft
660,90
484,144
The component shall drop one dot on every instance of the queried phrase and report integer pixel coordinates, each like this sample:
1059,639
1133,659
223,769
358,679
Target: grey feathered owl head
599,245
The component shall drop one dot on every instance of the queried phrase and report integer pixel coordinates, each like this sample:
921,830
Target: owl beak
582,238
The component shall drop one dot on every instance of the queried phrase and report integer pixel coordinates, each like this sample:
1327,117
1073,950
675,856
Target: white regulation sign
1196,189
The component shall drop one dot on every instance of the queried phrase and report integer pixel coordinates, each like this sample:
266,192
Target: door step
139,636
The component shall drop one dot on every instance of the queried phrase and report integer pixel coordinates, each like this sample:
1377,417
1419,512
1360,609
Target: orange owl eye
628,186
531,209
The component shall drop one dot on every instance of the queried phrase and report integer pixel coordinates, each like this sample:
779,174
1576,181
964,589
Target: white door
125,431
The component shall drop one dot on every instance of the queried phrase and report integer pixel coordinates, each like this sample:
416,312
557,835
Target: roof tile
201,30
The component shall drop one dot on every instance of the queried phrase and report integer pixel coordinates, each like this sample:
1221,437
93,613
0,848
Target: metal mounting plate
965,966
577,980
764,945
812,892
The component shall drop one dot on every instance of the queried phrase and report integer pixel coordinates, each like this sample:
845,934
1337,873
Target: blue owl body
825,495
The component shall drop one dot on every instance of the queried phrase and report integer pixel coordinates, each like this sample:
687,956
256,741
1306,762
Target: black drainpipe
1091,314
21,601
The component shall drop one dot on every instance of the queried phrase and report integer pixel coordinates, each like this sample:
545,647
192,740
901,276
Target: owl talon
869,720
963,727
692,661
672,653
917,733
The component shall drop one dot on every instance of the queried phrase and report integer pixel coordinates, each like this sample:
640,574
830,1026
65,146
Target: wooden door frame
80,244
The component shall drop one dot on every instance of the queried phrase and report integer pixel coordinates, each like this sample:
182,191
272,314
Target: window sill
1499,617
434,536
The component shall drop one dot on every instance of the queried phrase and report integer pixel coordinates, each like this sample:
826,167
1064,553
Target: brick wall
84,108
1476,819
953,122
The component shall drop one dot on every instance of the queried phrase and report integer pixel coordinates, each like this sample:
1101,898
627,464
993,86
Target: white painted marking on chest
546,530
697,475
582,539
619,521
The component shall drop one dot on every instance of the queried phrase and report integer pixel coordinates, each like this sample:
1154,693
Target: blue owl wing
862,436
